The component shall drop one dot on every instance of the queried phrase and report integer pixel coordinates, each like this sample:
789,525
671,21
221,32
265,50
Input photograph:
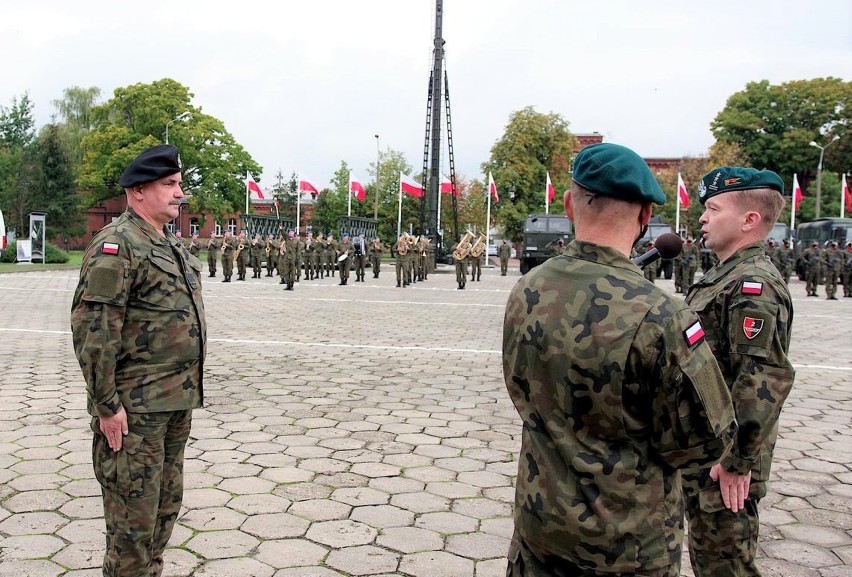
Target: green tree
774,124
18,163
214,164
76,118
17,127
56,192
331,202
532,144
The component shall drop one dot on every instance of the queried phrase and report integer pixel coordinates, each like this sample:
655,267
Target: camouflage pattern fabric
142,488
139,334
376,250
811,258
504,252
212,254
230,247
832,263
747,315
617,390
345,247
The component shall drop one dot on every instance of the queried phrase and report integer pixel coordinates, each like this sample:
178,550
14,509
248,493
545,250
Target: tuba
403,244
478,247
463,247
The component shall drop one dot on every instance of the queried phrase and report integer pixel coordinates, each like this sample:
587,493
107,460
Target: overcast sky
303,85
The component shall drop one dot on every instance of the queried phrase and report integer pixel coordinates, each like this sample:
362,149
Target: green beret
612,170
728,178
152,164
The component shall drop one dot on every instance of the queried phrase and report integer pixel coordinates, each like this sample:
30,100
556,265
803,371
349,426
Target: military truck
820,231
656,227
542,233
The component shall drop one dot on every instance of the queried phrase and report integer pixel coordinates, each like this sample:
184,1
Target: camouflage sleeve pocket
710,499
752,328
105,282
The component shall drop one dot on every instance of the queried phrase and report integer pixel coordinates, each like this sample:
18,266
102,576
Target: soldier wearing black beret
745,307
139,334
615,386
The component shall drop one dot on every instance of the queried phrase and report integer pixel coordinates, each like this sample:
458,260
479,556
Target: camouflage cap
152,164
612,170
730,178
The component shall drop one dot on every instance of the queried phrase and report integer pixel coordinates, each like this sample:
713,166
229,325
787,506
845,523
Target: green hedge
52,254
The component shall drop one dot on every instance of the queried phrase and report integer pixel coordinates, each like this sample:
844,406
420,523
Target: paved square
360,430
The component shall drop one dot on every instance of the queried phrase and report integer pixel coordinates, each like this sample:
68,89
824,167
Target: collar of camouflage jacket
605,255
722,269
163,236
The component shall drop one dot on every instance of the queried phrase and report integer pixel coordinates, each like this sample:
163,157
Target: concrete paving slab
361,430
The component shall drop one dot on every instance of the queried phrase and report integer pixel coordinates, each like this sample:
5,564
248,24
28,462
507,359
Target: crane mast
432,142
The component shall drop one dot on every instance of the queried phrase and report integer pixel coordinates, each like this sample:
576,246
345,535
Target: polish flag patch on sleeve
752,288
694,334
109,248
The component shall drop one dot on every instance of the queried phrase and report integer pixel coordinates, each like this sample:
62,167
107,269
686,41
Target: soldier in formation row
828,266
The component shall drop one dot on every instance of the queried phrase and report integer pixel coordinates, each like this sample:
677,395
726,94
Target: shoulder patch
694,334
752,327
109,248
752,288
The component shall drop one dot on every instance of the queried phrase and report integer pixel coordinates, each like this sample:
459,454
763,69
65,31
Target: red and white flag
847,196
307,185
447,186
682,192
797,193
492,188
550,192
357,189
254,188
410,186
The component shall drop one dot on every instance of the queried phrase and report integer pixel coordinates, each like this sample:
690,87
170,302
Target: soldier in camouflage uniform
399,250
747,314
616,388
241,255
504,252
650,269
360,256
811,257
139,334
847,270
194,246
213,247
288,252
690,255
786,258
345,265
310,256
376,250
256,255
300,255
832,264
330,254
229,247
319,265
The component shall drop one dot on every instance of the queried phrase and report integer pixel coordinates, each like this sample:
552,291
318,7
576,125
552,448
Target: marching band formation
320,256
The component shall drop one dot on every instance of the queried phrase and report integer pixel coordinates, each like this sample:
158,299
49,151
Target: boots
227,278
282,281
398,284
342,282
212,273
375,275
478,277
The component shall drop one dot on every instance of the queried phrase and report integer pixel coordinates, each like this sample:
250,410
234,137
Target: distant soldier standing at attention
747,314
213,247
139,334
228,249
255,255
504,252
376,250
811,258
616,389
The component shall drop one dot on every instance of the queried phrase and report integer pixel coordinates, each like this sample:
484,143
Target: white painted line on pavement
351,346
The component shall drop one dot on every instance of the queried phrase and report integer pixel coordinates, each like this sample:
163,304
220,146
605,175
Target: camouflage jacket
137,321
617,390
747,315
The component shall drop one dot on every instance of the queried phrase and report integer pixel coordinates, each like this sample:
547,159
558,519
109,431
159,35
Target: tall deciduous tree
18,163
56,192
136,117
774,124
76,118
532,144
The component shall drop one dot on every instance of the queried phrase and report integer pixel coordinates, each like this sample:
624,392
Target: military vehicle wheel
525,267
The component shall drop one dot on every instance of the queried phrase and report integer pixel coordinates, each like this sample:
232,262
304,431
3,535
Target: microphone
667,245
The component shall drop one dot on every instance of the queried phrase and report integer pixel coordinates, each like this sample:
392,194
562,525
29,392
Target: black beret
152,164
730,178
613,170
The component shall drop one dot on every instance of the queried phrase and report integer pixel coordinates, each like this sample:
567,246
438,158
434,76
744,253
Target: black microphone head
668,244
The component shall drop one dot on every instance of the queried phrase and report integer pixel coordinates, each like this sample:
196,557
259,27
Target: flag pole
488,218
399,213
349,204
298,209
677,209
546,196
793,210
843,196
247,192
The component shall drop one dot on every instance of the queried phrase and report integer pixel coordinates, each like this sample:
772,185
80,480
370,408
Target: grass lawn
74,262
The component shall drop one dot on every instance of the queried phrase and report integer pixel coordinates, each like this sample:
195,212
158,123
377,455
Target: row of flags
411,187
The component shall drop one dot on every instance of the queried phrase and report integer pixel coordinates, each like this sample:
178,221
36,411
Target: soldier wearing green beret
139,334
747,313
615,386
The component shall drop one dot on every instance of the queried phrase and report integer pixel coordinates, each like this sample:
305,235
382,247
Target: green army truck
542,233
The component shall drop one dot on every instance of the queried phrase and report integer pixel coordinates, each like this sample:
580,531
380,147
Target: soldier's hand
114,428
734,488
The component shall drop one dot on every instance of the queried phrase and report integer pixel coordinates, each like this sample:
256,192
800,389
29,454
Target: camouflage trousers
142,488
461,272
403,271
376,263
524,562
721,543
504,266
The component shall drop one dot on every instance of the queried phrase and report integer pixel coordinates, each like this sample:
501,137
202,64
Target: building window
193,226
171,227
217,230
232,225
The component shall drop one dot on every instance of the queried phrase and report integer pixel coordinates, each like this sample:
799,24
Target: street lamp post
378,166
819,170
180,116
